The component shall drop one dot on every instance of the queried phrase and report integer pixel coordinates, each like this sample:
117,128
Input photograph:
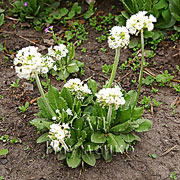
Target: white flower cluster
119,37
111,96
77,88
58,133
29,61
140,21
58,52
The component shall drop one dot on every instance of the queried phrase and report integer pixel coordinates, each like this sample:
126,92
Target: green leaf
73,159
130,137
78,124
137,113
89,158
44,137
3,152
120,127
41,123
55,100
125,14
116,143
106,153
166,15
133,43
1,19
1,10
98,137
87,101
161,4
145,126
43,109
120,20
177,28
92,85
90,146
67,97
123,115
130,99
71,53
72,67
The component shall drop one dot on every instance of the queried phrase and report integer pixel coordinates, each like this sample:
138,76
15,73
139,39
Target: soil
28,160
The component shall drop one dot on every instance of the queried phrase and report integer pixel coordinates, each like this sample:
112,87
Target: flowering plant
64,64
80,123
89,125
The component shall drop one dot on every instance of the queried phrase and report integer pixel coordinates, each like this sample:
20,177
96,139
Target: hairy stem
113,73
142,64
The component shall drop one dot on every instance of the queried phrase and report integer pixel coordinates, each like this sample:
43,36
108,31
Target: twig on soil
10,18
152,111
34,100
178,102
169,150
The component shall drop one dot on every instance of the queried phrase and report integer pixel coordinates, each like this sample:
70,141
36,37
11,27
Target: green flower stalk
116,60
135,24
119,38
43,96
142,65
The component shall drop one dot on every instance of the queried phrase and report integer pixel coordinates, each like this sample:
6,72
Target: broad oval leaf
137,113
130,137
116,143
43,109
41,123
67,97
90,146
98,137
89,158
44,137
73,159
120,127
3,152
144,126
55,100
92,85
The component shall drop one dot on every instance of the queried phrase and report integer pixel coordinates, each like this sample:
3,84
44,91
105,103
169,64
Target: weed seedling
14,141
173,175
1,96
156,103
154,156
15,84
106,68
83,49
146,102
103,50
173,108
154,90
82,72
24,108
178,68
4,138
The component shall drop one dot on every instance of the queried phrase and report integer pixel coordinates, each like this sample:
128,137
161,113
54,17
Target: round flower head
58,52
29,61
58,133
119,37
77,88
111,96
140,21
